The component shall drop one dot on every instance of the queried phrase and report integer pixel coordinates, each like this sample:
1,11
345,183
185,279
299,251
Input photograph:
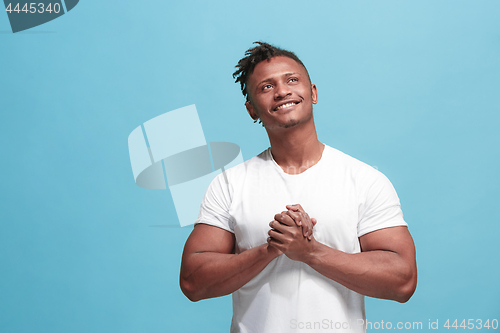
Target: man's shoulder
351,165
256,161
239,171
341,158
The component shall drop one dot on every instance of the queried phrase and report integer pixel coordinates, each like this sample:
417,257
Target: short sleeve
214,209
379,205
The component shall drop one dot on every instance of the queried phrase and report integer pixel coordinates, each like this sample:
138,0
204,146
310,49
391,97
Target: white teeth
285,105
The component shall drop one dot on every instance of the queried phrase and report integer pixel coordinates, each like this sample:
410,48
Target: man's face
280,93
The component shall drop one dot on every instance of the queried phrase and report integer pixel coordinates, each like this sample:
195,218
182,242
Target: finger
307,225
274,225
276,235
295,208
279,227
309,236
302,219
295,216
309,231
310,225
275,244
285,219
313,222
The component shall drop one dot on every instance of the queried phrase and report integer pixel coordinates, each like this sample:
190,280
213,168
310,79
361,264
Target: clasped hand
292,232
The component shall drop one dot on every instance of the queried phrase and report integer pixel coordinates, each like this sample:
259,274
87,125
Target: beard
291,123
295,122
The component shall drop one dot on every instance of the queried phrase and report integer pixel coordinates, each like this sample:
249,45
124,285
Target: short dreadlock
255,55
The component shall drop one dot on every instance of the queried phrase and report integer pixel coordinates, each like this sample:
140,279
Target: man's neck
296,149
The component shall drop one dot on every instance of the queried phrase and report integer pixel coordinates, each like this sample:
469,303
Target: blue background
411,87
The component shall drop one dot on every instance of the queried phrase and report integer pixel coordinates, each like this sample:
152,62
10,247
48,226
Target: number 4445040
472,324
34,8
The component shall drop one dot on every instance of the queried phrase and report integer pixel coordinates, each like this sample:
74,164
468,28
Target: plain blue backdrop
411,87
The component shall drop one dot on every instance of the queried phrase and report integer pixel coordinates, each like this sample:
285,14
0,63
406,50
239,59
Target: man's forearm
381,274
212,274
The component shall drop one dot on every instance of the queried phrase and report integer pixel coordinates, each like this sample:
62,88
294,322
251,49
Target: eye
266,87
293,79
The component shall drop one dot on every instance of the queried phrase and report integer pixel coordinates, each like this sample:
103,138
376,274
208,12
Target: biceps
394,239
207,238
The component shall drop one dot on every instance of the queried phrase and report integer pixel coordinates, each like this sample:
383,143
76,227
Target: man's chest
330,200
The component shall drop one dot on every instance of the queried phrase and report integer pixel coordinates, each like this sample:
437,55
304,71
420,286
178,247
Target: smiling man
302,232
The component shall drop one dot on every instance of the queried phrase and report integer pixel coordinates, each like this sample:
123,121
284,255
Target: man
253,236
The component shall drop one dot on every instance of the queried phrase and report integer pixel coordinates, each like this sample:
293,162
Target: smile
286,105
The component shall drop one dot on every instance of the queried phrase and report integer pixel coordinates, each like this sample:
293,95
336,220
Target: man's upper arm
204,239
208,238
394,239
397,240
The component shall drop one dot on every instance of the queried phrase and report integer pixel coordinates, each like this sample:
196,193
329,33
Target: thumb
295,208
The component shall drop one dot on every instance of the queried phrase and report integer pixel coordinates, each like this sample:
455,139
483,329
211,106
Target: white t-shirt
347,197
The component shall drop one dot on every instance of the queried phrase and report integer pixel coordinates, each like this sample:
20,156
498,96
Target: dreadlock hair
255,55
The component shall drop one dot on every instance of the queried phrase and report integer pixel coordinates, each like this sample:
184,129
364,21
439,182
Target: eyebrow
270,79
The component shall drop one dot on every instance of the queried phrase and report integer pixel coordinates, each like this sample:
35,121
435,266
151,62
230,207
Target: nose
282,90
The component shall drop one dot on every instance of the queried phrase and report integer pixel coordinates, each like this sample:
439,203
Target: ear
251,111
314,93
